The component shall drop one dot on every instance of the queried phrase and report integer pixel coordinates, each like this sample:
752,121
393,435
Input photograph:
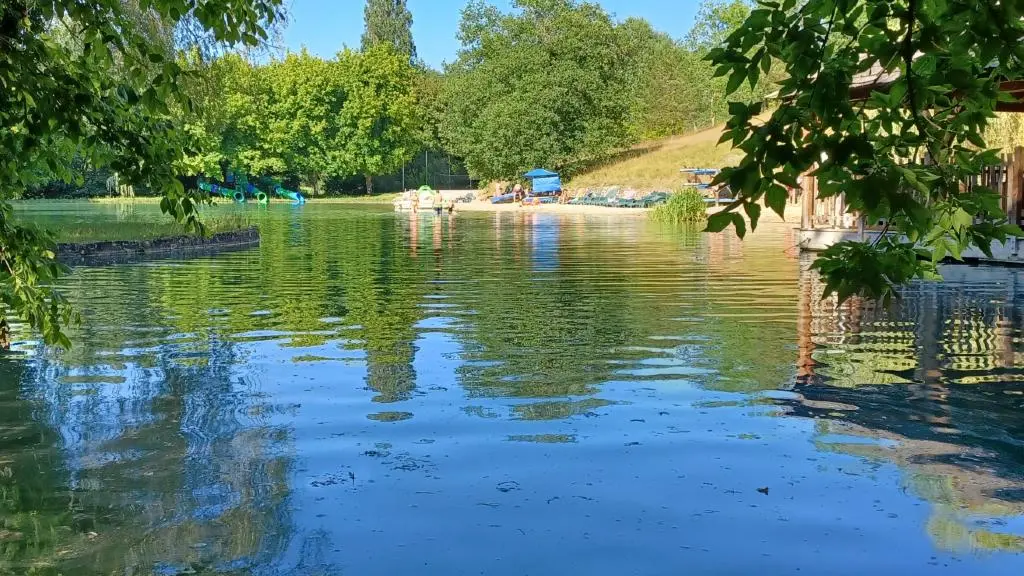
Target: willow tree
900,154
91,78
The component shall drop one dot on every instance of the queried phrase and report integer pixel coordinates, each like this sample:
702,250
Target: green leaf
718,221
735,80
976,139
737,109
896,93
739,223
753,74
775,198
962,219
753,210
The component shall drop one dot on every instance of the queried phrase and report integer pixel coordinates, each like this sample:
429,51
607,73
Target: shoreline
129,251
384,198
484,206
792,212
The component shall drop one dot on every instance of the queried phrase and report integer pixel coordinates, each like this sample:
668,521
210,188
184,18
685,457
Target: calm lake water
511,394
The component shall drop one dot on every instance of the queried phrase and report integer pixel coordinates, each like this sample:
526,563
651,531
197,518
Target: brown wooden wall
1007,179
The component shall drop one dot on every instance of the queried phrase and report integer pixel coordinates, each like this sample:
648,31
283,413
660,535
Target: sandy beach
767,216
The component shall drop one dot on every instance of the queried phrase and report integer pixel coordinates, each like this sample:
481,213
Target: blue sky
326,26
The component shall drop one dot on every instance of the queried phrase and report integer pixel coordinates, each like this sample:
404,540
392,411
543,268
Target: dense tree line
559,83
304,118
554,83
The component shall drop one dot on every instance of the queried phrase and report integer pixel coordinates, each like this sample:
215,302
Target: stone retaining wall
120,252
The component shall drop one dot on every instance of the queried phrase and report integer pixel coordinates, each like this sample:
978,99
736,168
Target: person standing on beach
517,193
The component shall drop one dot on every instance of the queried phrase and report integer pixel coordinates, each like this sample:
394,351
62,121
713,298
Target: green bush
685,206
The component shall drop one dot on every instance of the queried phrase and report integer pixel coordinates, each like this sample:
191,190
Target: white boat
423,199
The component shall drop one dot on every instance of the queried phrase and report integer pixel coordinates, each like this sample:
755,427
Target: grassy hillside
655,165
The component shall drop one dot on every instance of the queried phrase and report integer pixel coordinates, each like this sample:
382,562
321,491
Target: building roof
878,79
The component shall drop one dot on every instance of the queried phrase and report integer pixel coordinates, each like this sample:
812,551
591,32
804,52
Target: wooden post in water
1013,192
807,200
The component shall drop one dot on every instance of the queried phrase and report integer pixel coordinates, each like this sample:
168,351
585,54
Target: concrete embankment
120,252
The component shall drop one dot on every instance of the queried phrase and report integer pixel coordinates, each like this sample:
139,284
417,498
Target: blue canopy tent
545,182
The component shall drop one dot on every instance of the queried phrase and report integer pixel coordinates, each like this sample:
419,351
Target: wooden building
825,221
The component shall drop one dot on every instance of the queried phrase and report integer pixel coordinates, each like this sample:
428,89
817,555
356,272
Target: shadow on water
375,393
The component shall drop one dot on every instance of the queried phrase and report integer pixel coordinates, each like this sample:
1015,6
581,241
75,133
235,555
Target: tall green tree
305,115
389,22
84,76
715,21
545,85
669,91
899,156
380,123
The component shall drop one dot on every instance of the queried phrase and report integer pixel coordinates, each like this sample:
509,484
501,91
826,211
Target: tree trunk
315,181
369,184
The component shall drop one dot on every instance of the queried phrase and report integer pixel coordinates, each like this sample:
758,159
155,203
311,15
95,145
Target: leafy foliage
297,124
684,207
547,85
380,121
389,22
558,83
94,78
302,115
715,21
899,155
28,267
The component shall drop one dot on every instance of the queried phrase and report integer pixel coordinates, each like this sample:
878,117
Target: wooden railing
1007,179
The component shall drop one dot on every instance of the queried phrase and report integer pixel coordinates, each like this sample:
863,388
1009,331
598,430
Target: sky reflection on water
515,393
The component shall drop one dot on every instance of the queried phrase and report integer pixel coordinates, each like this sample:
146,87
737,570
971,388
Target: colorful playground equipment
222,191
240,190
289,194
